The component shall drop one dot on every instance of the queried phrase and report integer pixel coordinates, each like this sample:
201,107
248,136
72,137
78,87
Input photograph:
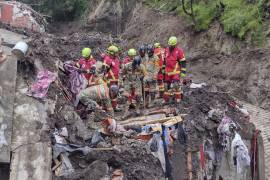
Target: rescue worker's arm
106,65
183,65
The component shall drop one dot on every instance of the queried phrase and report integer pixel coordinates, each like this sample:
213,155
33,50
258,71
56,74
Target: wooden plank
163,120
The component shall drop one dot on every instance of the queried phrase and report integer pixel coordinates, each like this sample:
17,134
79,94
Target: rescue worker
150,80
110,69
175,69
159,51
87,65
133,73
131,54
99,97
142,53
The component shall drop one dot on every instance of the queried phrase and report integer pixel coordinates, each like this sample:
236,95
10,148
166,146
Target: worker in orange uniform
159,51
175,69
111,68
87,65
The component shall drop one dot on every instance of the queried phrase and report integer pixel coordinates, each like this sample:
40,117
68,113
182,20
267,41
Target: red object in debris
202,157
232,104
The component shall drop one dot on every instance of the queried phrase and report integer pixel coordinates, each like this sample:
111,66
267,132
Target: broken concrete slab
31,153
11,37
8,72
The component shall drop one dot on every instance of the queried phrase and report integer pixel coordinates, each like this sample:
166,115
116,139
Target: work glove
163,70
183,75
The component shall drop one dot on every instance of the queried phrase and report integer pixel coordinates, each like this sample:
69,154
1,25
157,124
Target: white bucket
20,49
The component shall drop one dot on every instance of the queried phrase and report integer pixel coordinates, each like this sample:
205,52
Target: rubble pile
84,147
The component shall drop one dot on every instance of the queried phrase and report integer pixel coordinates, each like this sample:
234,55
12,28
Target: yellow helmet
132,52
86,52
112,50
172,41
157,45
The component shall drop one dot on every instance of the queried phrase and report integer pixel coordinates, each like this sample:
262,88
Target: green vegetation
59,10
238,17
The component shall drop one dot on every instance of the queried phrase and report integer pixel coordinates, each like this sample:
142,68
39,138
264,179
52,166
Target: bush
60,10
238,17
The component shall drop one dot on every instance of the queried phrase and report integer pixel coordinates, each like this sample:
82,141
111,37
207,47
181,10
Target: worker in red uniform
111,68
175,69
159,51
87,65
131,54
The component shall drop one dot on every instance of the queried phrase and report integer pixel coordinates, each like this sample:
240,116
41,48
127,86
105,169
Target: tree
191,13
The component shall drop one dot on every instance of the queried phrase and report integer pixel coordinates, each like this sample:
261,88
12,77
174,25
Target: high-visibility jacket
127,60
160,53
86,64
113,65
173,60
152,68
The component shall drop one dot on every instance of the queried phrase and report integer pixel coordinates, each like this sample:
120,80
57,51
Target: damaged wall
20,15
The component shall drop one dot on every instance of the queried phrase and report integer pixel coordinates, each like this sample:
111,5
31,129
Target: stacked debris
130,149
22,15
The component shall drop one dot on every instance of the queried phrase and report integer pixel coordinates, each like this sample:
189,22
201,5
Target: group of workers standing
141,74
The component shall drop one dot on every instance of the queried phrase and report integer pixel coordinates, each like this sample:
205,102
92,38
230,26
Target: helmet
142,50
112,50
150,50
157,45
132,52
136,61
114,90
172,41
86,52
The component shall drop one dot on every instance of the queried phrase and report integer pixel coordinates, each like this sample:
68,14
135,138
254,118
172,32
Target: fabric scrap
41,86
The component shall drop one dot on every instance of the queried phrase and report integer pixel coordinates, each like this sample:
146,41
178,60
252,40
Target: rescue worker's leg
153,90
167,85
114,100
86,99
128,95
138,95
161,86
147,93
176,88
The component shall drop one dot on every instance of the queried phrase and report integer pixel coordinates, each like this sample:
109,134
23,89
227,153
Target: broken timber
152,119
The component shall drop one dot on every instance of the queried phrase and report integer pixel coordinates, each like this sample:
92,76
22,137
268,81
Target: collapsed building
20,15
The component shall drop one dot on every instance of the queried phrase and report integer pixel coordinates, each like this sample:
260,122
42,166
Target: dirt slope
214,56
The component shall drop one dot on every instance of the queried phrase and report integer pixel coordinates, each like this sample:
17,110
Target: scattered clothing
65,148
196,86
77,81
40,88
224,132
240,152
